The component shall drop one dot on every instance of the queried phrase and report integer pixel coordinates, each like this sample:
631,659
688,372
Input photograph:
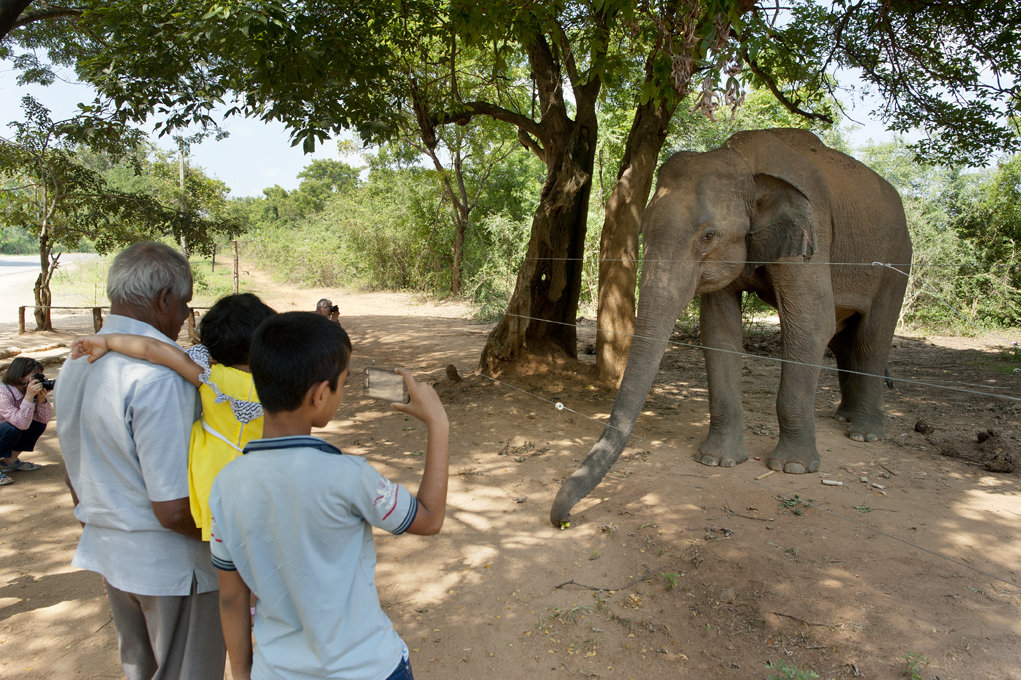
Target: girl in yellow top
231,413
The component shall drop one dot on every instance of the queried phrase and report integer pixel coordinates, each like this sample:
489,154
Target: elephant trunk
658,308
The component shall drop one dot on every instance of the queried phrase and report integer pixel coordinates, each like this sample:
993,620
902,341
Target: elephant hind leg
862,355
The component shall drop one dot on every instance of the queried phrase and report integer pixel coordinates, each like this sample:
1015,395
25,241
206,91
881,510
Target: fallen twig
630,583
807,623
758,519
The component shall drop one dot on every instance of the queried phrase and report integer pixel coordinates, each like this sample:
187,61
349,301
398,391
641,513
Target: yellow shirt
218,437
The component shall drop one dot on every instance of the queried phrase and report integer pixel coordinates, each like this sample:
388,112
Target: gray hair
143,269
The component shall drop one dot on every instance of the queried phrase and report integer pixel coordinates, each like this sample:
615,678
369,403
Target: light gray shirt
124,427
294,517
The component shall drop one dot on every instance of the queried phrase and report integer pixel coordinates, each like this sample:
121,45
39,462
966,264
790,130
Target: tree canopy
545,69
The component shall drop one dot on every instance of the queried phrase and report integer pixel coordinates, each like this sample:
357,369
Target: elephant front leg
720,321
803,338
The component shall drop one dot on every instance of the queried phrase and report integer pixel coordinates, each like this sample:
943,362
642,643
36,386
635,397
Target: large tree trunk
543,310
618,246
10,10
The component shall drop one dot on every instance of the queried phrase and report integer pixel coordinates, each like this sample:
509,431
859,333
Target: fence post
235,245
21,320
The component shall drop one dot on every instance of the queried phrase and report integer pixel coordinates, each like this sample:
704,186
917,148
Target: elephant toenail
794,469
728,462
871,437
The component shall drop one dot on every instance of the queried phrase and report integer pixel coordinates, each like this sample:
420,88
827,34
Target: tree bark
543,310
618,246
10,10
41,291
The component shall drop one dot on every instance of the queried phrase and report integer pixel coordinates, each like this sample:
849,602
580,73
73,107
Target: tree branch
780,96
42,11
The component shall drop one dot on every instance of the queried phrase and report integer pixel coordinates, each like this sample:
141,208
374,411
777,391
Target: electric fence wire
899,268
781,360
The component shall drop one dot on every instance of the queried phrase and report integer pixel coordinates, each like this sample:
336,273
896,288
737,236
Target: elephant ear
782,221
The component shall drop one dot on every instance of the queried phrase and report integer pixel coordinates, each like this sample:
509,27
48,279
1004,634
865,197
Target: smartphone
386,385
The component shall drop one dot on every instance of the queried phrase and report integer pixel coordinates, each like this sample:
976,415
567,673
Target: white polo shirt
124,426
294,517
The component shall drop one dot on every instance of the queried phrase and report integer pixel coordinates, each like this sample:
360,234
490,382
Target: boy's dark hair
22,366
293,351
227,328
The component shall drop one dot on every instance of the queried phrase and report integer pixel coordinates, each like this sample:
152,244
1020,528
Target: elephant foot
854,434
863,428
794,461
718,451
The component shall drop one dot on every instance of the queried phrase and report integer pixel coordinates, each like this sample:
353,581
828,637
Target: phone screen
385,385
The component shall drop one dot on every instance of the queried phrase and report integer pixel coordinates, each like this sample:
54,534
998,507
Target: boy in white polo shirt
292,518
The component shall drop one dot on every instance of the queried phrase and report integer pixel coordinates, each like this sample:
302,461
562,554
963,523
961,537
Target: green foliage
789,672
15,240
914,663
965,229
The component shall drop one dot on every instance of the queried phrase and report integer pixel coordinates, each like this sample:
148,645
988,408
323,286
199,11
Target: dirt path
670,569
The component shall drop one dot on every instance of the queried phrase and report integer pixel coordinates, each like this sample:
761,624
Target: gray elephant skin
778,213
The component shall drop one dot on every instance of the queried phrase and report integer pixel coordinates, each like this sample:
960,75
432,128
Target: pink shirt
20,412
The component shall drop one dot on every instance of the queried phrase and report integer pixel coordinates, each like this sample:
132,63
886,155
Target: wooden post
97,318
235,246
21,320
212,260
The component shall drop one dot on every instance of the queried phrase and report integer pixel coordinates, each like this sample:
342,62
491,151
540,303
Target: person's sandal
5,480
20,466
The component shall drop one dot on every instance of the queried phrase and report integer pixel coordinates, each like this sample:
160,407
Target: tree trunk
543,309
41,291
10,10
618,246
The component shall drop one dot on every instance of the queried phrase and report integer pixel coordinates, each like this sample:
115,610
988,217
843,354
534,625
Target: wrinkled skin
770,212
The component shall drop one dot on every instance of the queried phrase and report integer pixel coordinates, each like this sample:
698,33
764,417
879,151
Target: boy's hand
92,346
424,404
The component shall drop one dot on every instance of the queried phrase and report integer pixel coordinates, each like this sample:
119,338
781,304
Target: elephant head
712,217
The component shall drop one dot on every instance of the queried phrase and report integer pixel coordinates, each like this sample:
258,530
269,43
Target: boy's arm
139,347
236,619
425,405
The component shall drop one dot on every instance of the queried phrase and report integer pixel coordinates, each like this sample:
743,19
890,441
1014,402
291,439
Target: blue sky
256,155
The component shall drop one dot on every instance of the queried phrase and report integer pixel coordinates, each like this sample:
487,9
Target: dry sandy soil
670,569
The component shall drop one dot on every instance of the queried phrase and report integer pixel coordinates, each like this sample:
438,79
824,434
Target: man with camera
327,308
24,412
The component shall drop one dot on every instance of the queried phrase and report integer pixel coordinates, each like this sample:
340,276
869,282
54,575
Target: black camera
44,381
335,309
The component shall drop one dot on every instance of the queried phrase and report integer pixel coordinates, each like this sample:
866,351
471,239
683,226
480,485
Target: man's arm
236,619
176,516
74,496
425,405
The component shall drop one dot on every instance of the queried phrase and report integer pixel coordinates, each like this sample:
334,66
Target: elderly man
123,426
326,308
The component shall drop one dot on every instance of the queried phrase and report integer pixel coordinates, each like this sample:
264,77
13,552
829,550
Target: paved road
17,280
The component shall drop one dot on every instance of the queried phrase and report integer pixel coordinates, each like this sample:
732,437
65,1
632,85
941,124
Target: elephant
811,231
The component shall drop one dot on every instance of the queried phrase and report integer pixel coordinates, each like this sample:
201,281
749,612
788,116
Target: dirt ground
669,569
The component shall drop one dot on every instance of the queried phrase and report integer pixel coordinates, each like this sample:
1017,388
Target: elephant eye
709,236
